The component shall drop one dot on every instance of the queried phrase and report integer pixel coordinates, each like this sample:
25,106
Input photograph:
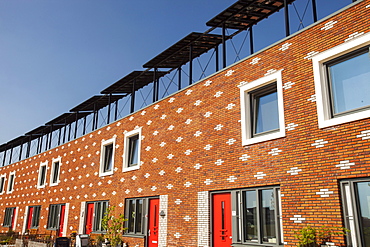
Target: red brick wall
81,158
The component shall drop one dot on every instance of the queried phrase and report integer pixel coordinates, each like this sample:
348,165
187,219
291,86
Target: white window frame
42,164
56,160
2,190
246,121
102,156
321,83
11,182
126,150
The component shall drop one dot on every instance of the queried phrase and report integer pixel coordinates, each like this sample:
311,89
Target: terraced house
244,157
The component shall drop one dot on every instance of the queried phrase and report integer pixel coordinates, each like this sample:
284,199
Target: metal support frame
179,70
314,12
109,105
29,146
132,106
20,151
4,158
190,64
251,45
59,135
51,135
76,123
69,131
84,129
224,45
115,111
11,154
217,58
155,86
286,12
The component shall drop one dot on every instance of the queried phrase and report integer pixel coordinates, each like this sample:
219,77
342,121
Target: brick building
247,156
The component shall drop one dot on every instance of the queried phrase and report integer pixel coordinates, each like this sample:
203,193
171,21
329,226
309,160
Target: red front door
89,217
221,216
153,222
29,218
61,220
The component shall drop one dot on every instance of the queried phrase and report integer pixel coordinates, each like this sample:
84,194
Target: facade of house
246,157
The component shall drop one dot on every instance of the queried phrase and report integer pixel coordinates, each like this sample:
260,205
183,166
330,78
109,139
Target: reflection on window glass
133,150
268,216
364,201
250,216
350,83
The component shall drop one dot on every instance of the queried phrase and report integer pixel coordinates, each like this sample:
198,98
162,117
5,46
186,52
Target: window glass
11,183
349,82
268,216
2,184
108,157
133,150
9,217
364,207
55,175
131,215
250,216
265,110
139,215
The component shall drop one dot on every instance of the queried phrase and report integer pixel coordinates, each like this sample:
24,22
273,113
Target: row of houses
246,157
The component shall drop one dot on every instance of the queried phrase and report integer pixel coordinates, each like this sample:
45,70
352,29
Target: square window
142,216
107,157
33,217
9,217
2,183
41,182
55,171
11,182
341,77
94,214
356,205
56,217
262,109
132,147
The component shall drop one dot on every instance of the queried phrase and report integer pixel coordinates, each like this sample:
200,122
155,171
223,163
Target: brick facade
191,145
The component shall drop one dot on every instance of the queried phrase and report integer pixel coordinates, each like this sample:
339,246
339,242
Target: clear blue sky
56,54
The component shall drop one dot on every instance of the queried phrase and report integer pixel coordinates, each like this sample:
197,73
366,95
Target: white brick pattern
297,219
244,157
319,143
291,126
203,219
285,46
274,151
294,171
270,71
328,25
310,55
364,135
345,164
324,192
162,232
260,175
229,72
354,35
288,85
255,60
312,98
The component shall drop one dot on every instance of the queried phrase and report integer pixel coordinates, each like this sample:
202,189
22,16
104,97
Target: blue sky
56,54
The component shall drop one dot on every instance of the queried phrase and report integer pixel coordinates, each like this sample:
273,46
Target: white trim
8,191
321,84
65,222
4,185
102,155
46,172
59,159
25,219
81,227
15,217
126,149
245,108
